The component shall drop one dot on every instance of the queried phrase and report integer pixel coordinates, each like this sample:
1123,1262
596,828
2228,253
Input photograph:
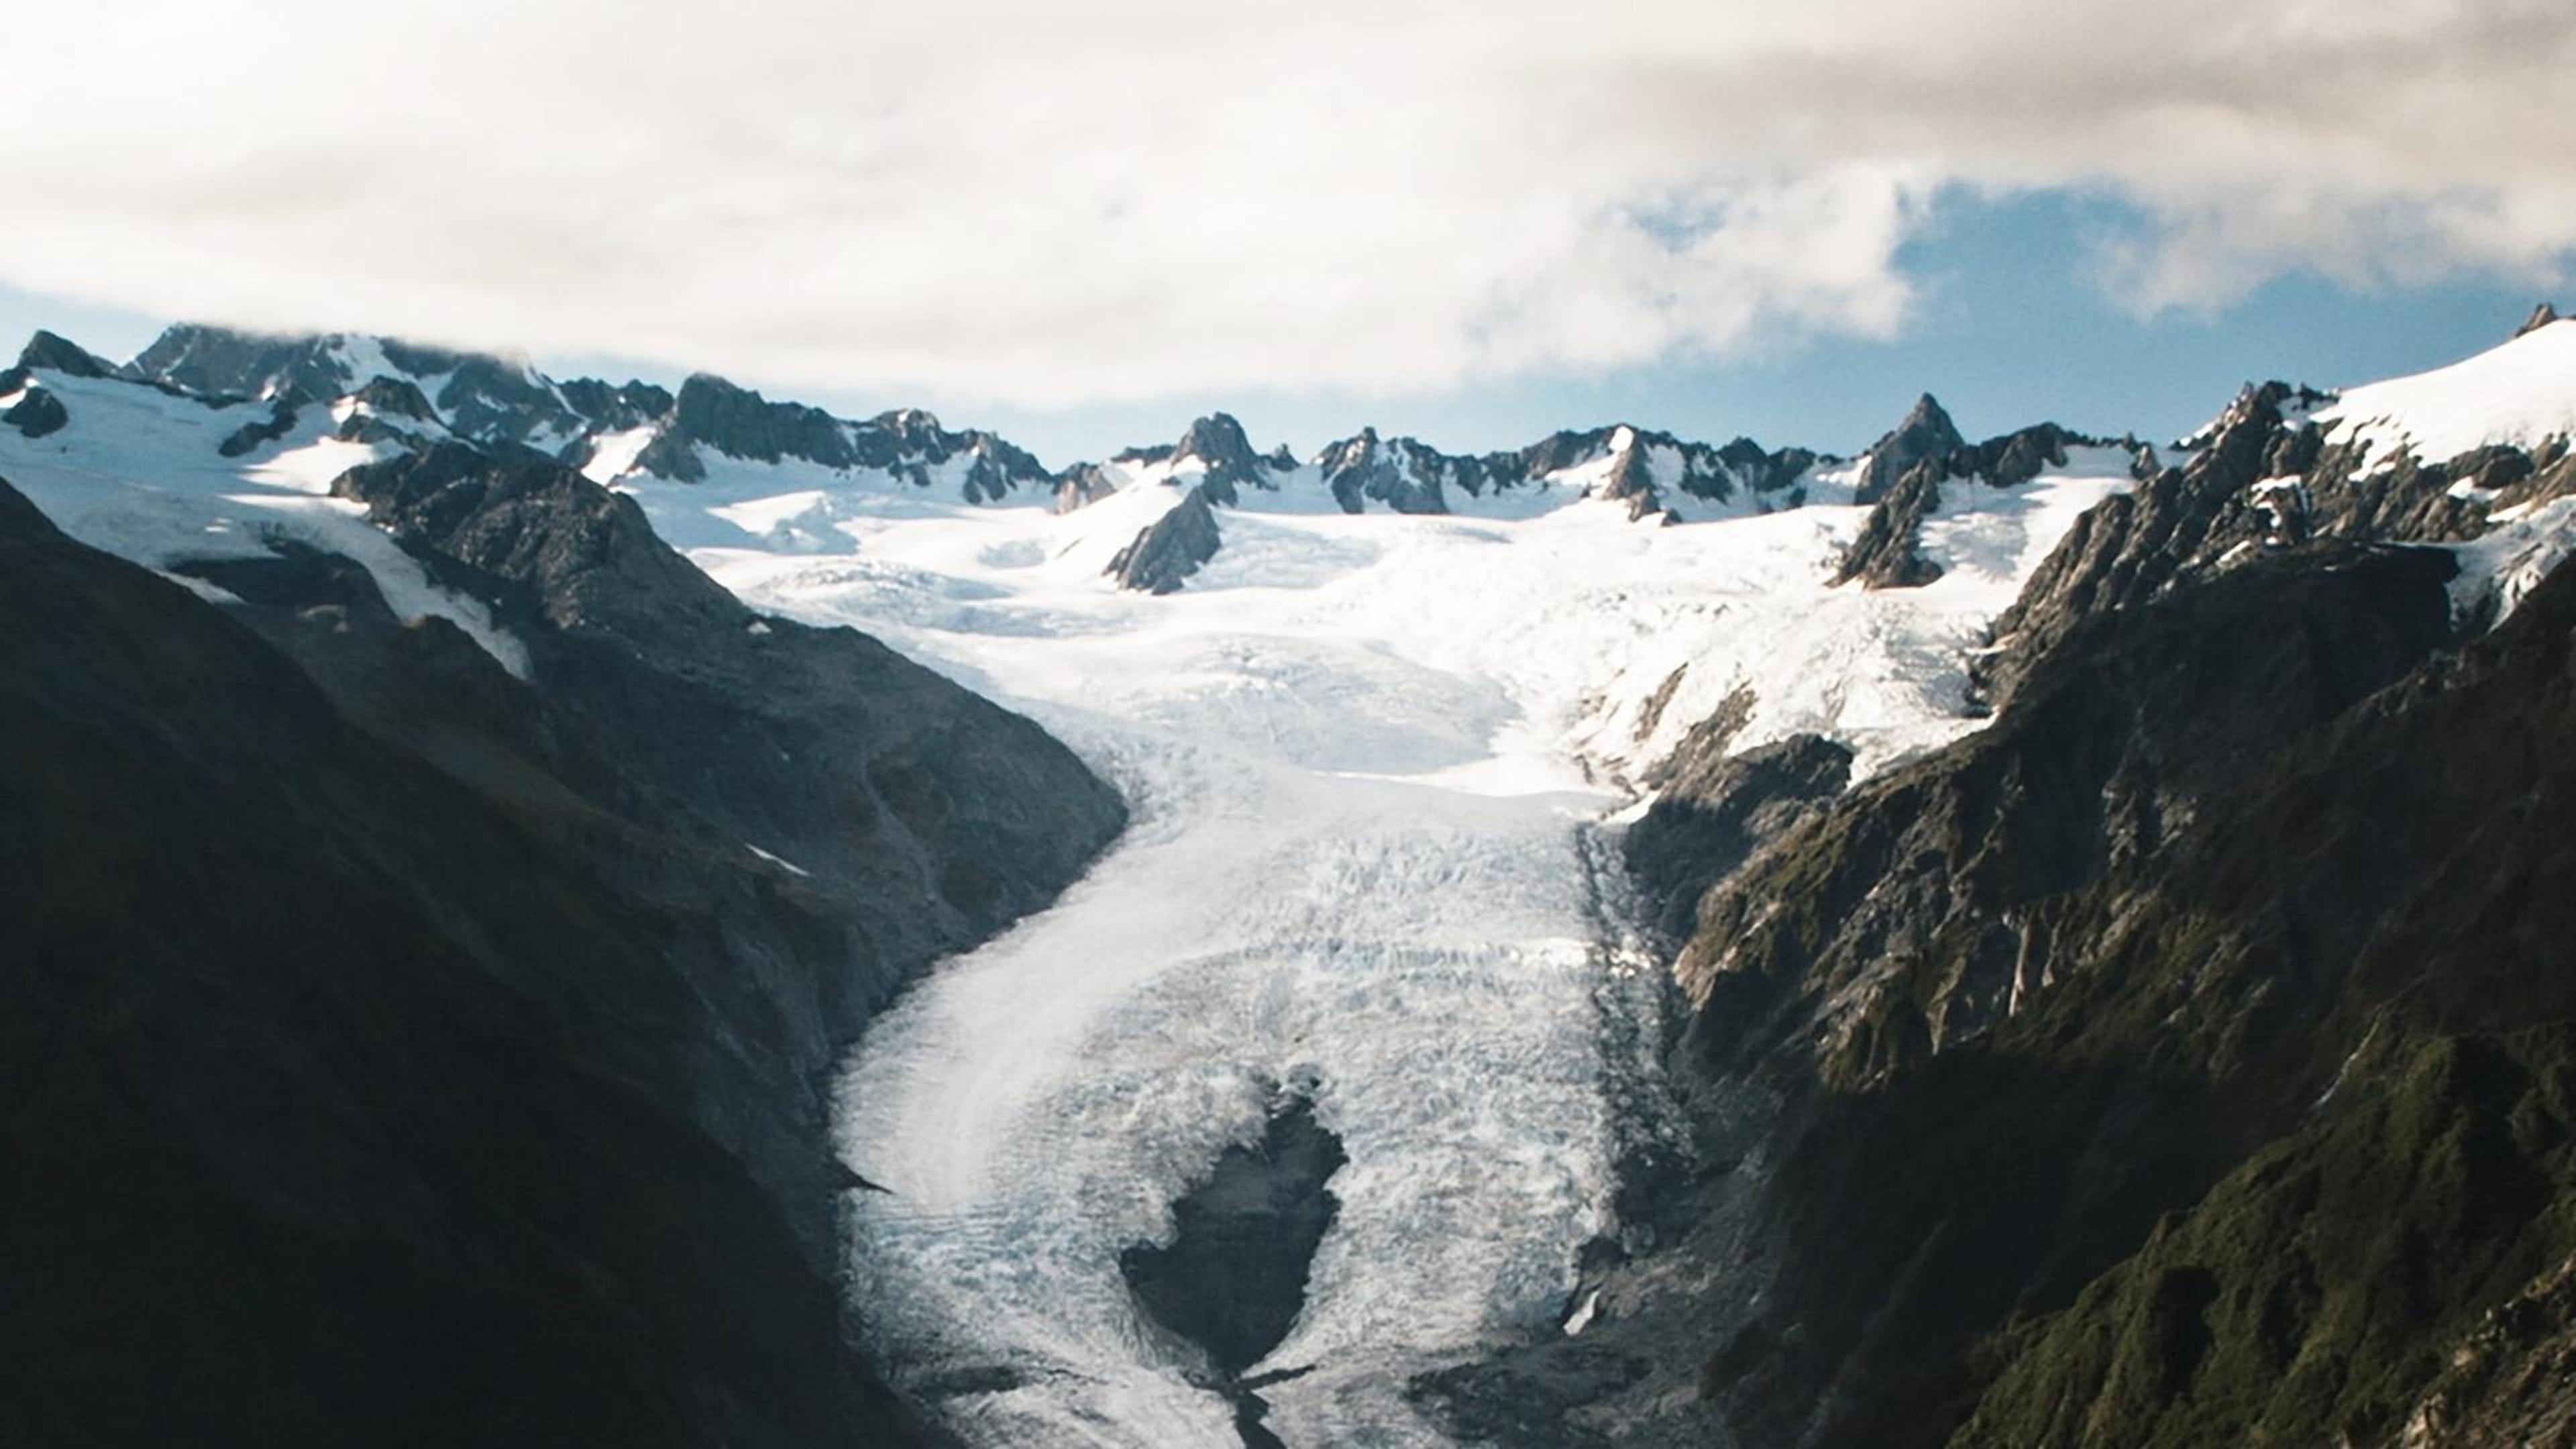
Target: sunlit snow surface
1360,751
2519,394
137,472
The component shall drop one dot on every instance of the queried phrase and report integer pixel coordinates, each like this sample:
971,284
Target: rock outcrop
60,354
495,401
1233,1278
1217,442
1925,434
2262,479
1715,810
36,413
1167,551
1888,552
1397,473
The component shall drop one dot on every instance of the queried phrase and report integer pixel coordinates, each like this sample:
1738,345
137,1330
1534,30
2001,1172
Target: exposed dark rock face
395,397
497,401
713,413
37,413
1233,1278
218,361
1167,551
2126,551
235,364
2361,967
2019,456
406,1052
481,397
1410,477
742,423
1926,433
494,401
1768,474
2145,722
865,757
1888,552
60,354
1218,441
998,469
1400,473
1081,485
1631,477
2261,480
1898,1148
1717,809
342,1105
1631,480
2541,316
616,407
250,437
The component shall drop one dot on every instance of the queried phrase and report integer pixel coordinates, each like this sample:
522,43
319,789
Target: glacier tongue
1362,752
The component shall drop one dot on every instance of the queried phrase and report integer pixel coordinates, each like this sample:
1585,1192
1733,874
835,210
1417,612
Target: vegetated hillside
2367,965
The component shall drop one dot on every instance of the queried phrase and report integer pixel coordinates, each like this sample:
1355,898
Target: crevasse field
1363,753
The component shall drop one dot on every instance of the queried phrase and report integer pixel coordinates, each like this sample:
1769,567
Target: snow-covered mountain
214,443
1380,714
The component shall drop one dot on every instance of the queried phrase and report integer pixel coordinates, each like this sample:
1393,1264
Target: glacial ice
1362,752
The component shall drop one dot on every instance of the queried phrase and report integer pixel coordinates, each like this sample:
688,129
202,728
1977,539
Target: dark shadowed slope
411,1068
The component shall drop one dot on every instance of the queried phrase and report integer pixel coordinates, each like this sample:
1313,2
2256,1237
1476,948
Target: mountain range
2077,922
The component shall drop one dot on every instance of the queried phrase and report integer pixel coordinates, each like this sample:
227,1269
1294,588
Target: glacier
1376,763
1367,756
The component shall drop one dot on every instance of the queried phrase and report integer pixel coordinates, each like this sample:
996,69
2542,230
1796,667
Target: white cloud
1051,203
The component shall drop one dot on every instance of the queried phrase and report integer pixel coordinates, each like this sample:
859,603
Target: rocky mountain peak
226,362
1358,450
1929,417
60,354
400,397
908,422
1166,552
1216,439
2541,316
739,422
1926,432
488,397
1402,473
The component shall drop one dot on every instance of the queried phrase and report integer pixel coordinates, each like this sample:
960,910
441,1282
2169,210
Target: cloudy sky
1084,221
